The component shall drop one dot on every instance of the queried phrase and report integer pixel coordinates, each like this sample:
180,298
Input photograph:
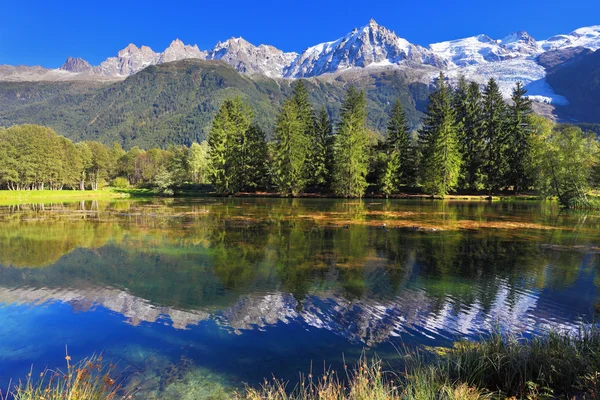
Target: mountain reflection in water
367,272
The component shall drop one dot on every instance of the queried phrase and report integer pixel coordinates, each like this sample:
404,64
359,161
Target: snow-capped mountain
511,59
517,57
371,44
588,37
247,58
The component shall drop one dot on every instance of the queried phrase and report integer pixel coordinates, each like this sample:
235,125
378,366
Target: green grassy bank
14,197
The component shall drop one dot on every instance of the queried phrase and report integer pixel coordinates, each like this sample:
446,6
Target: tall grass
89,379
554,365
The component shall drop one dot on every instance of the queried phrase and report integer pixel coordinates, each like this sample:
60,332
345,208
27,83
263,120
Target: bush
120,183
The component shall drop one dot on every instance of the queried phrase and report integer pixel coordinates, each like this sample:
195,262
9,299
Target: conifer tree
315,161
227,140
290,150
322,147
397,166
467,104
495,136
519,141
439,142
254,157
351,147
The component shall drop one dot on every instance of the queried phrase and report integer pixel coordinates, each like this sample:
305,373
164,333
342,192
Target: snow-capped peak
480,49
521,42
370,44
588,37
248,58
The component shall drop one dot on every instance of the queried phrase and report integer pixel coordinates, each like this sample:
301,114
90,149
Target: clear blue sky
44,32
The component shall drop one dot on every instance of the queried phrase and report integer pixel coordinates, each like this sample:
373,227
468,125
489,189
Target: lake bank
11,197
15,197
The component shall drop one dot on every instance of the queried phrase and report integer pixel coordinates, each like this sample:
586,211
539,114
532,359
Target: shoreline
15,197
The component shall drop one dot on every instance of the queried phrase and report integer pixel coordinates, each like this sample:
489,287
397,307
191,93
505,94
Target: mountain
247,58
103,101
174,103
588,37
478,58
579,81
76,65
370,45
177,50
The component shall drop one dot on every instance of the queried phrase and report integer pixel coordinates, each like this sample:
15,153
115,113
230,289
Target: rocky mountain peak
176,44
248,58
76,65
520,42
130,49
372,44
177,50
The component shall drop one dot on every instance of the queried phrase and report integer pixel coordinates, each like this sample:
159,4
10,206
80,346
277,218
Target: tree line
470,140
34,157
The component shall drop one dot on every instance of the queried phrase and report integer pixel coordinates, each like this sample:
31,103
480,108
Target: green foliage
254,157
398,166
163,182
174,103
569,158
519,154
321,155
495,134
229,145
35,157
350,152
439,142
469,119
290,151
199,162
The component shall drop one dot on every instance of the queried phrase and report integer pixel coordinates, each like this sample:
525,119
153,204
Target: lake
221,292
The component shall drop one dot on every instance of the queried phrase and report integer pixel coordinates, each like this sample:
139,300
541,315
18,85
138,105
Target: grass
501,366
555,365
15,197
89,379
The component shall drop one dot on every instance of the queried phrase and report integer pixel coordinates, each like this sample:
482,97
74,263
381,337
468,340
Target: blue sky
43,32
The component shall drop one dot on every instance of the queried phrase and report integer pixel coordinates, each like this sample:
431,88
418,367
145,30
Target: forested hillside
174,103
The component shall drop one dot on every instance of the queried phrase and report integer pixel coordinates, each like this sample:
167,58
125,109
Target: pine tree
290,150
495,136
351,147
397,168
439,142
519,141
322,147
254,159
315,162
467,103
227,140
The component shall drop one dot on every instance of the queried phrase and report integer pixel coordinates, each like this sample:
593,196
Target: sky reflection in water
244,288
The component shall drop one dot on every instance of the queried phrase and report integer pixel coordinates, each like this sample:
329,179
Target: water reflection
367,272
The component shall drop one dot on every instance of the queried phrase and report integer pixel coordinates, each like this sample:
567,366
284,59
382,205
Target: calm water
225,291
